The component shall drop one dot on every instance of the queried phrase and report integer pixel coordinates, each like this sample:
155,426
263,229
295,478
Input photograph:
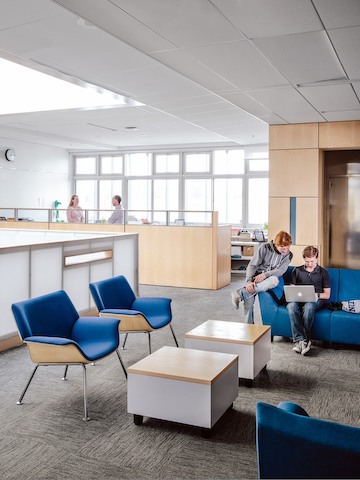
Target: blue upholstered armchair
114,297
290,444
56,335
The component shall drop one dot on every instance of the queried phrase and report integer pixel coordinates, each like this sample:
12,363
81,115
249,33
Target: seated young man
302,314
263,271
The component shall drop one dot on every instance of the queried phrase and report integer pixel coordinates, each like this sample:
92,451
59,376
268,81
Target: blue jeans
302,317
249,298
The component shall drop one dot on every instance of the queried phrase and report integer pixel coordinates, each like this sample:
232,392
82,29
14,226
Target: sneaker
305,347
235,299
298,347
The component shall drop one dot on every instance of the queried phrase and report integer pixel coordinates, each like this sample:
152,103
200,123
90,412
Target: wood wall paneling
307,221
294,173
294,136
339,135
279,215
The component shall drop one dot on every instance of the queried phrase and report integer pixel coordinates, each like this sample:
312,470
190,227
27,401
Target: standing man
269,262
302,314
118,214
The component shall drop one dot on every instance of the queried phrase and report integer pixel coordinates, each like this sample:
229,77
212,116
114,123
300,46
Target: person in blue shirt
118,214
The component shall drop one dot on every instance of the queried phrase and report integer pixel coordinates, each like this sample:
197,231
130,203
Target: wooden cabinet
241,254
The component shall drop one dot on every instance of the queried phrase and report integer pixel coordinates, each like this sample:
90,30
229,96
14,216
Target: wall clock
10,155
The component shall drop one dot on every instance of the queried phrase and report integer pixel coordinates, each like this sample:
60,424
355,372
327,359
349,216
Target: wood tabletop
184,364
231,332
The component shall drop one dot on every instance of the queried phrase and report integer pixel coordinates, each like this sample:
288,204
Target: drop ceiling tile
183,23
347,42
331,97
342,116
259,18
19,12
239,63
118,23
302,58
336,14
288,104
245,102
191,68
356,86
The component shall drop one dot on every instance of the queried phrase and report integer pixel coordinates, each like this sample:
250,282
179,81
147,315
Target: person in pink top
74,212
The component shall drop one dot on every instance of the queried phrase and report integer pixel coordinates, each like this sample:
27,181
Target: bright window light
25,90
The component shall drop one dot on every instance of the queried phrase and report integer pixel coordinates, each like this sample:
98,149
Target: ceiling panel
259,18
342,116
240,63
347,43
338,13
184,23
331,97
183,63
302,58
20,12
288,104
112,19
206,70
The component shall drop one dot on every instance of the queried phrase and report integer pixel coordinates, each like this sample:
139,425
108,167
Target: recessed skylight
25,90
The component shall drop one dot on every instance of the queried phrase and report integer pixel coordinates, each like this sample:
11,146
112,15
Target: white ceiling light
25,90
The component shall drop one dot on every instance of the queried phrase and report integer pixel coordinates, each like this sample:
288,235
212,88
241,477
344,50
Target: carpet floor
46,438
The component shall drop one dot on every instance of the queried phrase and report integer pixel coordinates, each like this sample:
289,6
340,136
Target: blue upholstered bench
329,326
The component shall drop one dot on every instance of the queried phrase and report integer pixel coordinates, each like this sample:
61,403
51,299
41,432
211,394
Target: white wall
38,176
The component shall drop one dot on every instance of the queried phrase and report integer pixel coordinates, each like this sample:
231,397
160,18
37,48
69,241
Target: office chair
114,297
56,335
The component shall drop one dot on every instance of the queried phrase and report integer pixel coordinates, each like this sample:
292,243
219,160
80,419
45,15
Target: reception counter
186,254
35,262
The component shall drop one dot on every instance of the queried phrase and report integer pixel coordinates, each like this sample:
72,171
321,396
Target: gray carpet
46,438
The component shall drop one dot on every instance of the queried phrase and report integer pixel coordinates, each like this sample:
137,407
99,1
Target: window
138,164
111,165
139,195
168,163
259,165
87,193
258,201
197,162
85,165
233,181
229,162
166,194
107,189
197,194
228,200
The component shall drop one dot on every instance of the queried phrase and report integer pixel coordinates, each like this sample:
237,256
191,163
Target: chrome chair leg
19,402
121,362
149,338
86,416
123,346
173,333
65,373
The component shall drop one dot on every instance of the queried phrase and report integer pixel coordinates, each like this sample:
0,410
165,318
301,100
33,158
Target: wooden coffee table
252,343
188,386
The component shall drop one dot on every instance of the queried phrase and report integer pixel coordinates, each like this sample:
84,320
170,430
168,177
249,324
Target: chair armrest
150,306
121,311
59,341
99,328
292,408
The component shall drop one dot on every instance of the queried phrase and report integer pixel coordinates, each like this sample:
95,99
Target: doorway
342,172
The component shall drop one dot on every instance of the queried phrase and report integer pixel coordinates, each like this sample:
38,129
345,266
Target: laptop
299,293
